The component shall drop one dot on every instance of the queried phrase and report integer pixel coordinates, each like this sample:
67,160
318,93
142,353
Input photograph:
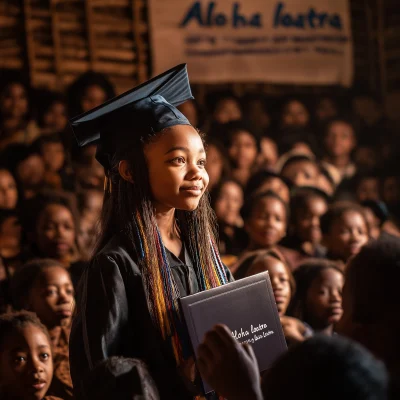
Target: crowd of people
306,190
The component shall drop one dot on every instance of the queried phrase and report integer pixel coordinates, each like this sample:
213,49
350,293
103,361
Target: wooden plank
116,54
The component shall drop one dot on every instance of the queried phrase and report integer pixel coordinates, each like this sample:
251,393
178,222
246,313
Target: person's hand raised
229,367
293,329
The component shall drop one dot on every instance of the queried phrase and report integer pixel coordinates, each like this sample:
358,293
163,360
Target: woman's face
295,114
324,299
55,232
228,204
301,173
269,153
55,117
14,101
279,277
52,297
176,162
214,165
266,226
308,220
227,110
276,185
31,171
348,234
243,150
26,363
325,109
368,189
53,155
8,190
94,96
340,139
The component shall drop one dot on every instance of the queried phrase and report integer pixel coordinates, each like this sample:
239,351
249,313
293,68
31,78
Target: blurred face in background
325,109
8,190
214,166
53,155
340,139
14,101
227,110
301,173
243,150
31,171
94,96
269,153
188,109
295,114
55,118
228,204
368,189
258,115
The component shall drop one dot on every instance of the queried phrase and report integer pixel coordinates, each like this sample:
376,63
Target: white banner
285,42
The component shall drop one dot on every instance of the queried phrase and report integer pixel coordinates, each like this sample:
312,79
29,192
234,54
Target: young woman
156,243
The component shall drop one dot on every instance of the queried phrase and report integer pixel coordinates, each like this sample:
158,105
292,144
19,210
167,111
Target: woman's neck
168,230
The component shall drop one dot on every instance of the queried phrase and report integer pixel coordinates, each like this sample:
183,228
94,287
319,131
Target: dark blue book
247,307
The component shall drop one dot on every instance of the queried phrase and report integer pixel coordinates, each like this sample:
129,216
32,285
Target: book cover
247,307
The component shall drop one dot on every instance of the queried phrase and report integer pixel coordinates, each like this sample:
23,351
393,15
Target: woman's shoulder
117,252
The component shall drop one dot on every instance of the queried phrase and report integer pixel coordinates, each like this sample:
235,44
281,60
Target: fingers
249,350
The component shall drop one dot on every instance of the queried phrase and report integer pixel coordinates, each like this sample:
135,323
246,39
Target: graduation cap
149,107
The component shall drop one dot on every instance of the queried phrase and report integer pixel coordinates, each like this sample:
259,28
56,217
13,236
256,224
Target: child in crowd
326,108
227,200
367,187
224,107
294,114
28,167
318,298
281,277
44,287
283,285
8,190
49,223
10,238
123,379
16,124
265,219
243,147
217,163
26,360
339,142
371,303
52,113
255,110
376,214
305,371
263,181
58,173
307,205
301,170
345,230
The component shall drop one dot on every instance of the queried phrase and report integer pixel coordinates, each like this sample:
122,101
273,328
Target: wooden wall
54,41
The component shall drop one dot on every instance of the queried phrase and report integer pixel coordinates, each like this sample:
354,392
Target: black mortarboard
149,107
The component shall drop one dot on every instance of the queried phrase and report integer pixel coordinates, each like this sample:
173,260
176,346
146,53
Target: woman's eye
202,163
178,160
45,356
19,360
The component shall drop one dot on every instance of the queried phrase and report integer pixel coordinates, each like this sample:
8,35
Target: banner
283,42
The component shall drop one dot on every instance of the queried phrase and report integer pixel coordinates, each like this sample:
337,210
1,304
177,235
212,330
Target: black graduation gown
113,318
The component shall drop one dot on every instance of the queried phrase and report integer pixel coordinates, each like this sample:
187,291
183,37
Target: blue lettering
336,21
209,13
310,18
256,21
220,19
193,13
238,19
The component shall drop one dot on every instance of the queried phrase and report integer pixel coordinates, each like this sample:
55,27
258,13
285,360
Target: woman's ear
124,171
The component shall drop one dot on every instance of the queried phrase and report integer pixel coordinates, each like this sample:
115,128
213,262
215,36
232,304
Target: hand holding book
228,366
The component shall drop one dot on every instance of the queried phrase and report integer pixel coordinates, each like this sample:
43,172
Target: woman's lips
192,190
